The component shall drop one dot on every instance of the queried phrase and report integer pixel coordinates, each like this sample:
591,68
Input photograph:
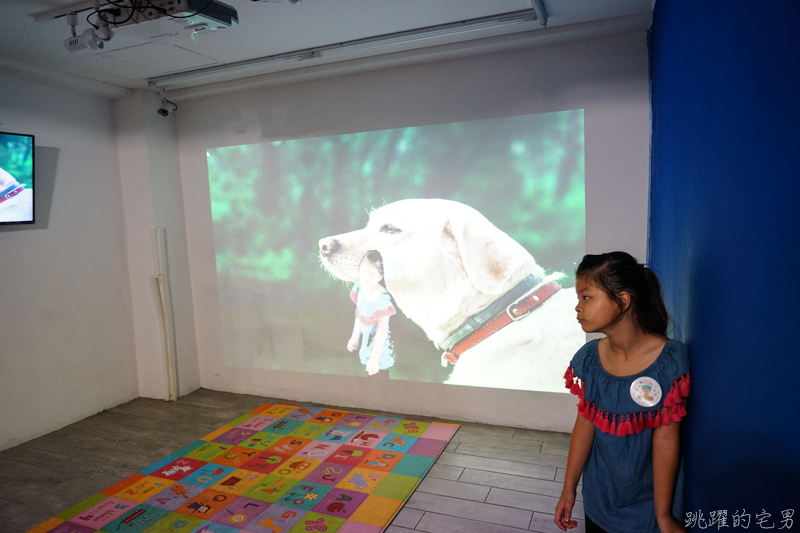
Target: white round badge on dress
645,391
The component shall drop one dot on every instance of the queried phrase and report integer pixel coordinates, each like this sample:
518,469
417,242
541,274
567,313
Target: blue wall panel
725,239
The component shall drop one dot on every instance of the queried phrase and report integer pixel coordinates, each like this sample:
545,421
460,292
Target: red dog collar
11,194
515,311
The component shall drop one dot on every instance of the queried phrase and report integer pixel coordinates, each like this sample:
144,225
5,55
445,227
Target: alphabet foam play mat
282,468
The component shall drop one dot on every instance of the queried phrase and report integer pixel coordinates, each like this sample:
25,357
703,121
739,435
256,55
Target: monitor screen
16,178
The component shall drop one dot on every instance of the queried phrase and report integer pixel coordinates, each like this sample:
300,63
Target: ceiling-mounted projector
191,14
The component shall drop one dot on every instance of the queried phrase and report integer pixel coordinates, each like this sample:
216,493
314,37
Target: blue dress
618,475
369,313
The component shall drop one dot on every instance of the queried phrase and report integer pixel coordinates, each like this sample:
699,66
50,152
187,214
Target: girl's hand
372,366
564,511
669,524
352,344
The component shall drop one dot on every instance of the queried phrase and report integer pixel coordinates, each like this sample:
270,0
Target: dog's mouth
340,269
340,265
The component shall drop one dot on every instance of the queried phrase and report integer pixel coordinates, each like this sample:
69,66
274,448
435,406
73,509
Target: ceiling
134,59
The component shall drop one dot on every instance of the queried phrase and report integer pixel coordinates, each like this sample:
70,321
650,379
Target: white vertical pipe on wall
164,303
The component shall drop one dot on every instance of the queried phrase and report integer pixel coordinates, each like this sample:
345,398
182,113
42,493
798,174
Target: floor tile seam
121,423
106,447
514,490
418,489
473,501
17,460
496,472
95,459
518,508
42,465
476,440
464,482
523,492
552,455
474,520
555,440
420,517
81,457
22,503
104,434
504,474
509,460
121,409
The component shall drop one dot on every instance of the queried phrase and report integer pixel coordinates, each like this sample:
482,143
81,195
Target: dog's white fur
19,207
444,262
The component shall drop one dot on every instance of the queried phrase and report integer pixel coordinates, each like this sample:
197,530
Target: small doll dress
369,313
618,475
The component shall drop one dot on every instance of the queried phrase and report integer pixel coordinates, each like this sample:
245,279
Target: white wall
151,189
606,77
66,336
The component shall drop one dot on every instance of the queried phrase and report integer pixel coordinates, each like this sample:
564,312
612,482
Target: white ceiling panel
161,58
138,53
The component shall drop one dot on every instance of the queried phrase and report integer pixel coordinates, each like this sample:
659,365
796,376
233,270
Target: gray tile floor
489,479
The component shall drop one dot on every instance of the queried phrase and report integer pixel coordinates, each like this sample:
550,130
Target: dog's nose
328,246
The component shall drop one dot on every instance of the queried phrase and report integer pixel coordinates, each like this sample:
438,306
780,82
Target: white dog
443,263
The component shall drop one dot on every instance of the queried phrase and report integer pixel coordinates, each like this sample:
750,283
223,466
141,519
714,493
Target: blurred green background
16,157
272,202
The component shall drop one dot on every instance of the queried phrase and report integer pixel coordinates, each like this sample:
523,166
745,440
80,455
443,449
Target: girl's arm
353,343
377,347
580,445
666,448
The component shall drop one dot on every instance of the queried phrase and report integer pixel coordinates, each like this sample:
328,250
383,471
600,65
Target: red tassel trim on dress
375,318
631,424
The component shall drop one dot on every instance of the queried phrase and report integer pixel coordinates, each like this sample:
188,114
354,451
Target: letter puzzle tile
177,495
206,504
355,420
270,489
304,413
317,522
261,441
275,519
240,512
136,520
176,523
282,468
279,410
257,423
328,473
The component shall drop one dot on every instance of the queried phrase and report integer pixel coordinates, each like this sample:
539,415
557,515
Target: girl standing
373,309
632,387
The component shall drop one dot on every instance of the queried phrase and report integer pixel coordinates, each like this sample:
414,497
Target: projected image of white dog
448,268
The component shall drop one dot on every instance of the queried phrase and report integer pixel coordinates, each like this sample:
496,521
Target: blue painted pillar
725,239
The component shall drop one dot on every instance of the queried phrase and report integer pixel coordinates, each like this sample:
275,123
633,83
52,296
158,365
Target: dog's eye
386,228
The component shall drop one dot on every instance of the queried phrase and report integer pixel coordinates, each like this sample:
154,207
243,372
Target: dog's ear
489,256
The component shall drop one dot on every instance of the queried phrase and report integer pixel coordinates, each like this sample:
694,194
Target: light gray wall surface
66,335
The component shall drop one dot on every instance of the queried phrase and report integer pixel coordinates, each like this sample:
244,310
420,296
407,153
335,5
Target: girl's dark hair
617,272
375,258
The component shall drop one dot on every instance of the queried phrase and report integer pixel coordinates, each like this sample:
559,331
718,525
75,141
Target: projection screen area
440,254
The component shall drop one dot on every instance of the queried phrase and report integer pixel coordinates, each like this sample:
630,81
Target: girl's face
596,311
369,274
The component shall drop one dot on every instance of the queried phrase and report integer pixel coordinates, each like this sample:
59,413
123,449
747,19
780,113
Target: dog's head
443,260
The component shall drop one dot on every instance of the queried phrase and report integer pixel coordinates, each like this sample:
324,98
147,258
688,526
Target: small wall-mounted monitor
16,178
